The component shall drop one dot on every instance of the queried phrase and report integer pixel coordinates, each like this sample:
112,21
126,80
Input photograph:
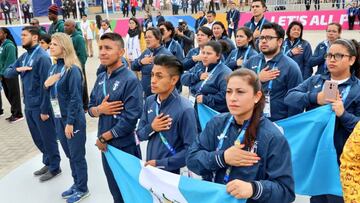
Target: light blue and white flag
205,114
149,184
311,139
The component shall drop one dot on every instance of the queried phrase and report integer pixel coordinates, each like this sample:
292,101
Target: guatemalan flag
149,184
315,168
311,139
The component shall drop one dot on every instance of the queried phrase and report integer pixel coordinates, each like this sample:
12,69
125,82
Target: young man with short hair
117,101
168,121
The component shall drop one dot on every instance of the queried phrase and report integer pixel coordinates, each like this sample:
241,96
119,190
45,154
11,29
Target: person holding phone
342,61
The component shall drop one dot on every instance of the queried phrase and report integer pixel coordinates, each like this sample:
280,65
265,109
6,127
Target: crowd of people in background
253,74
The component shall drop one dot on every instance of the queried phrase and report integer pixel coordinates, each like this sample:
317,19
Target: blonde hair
69,54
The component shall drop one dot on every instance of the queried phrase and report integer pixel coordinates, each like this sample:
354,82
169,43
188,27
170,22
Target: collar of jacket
156,50
173,95
213,65
118,70
31,49
6,41
75,33
275,59
244,48
60,62
167,44
352,80
253,20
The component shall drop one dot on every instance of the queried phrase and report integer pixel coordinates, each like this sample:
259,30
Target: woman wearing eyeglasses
245,48
207,79
342,61
333,33
242,149
295,47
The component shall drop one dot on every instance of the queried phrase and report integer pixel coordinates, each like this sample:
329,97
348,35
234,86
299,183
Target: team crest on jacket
116,85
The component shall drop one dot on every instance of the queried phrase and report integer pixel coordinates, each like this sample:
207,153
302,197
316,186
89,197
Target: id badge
192,99
56,107
267,108
231,26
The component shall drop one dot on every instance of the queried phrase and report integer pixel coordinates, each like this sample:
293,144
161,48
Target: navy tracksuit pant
74,149
44,136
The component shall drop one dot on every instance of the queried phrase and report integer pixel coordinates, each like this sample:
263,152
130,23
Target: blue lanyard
327,49
233,15
163,139
104,86
345,93
239,139
56,83
261,24
259,67
245,56
208,78
271,81
169,47
287,52
26,60
201,21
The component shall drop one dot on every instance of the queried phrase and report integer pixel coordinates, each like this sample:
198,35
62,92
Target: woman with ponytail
342,62
65,87
242,148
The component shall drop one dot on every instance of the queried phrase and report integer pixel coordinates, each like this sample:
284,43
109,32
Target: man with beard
117,101
79,43
277,72
56,25
33,67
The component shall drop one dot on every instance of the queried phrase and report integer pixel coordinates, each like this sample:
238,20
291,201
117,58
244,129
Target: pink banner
312,20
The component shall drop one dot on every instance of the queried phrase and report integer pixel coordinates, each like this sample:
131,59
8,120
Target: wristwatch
102,139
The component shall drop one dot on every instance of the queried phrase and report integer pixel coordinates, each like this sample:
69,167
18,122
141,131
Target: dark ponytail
254,81
10,37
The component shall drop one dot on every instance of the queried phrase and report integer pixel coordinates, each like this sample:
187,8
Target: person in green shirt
8,55
56,25
35,22
70,28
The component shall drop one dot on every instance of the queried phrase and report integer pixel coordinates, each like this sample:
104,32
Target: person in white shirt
210,16
132,45
105,27
88,35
